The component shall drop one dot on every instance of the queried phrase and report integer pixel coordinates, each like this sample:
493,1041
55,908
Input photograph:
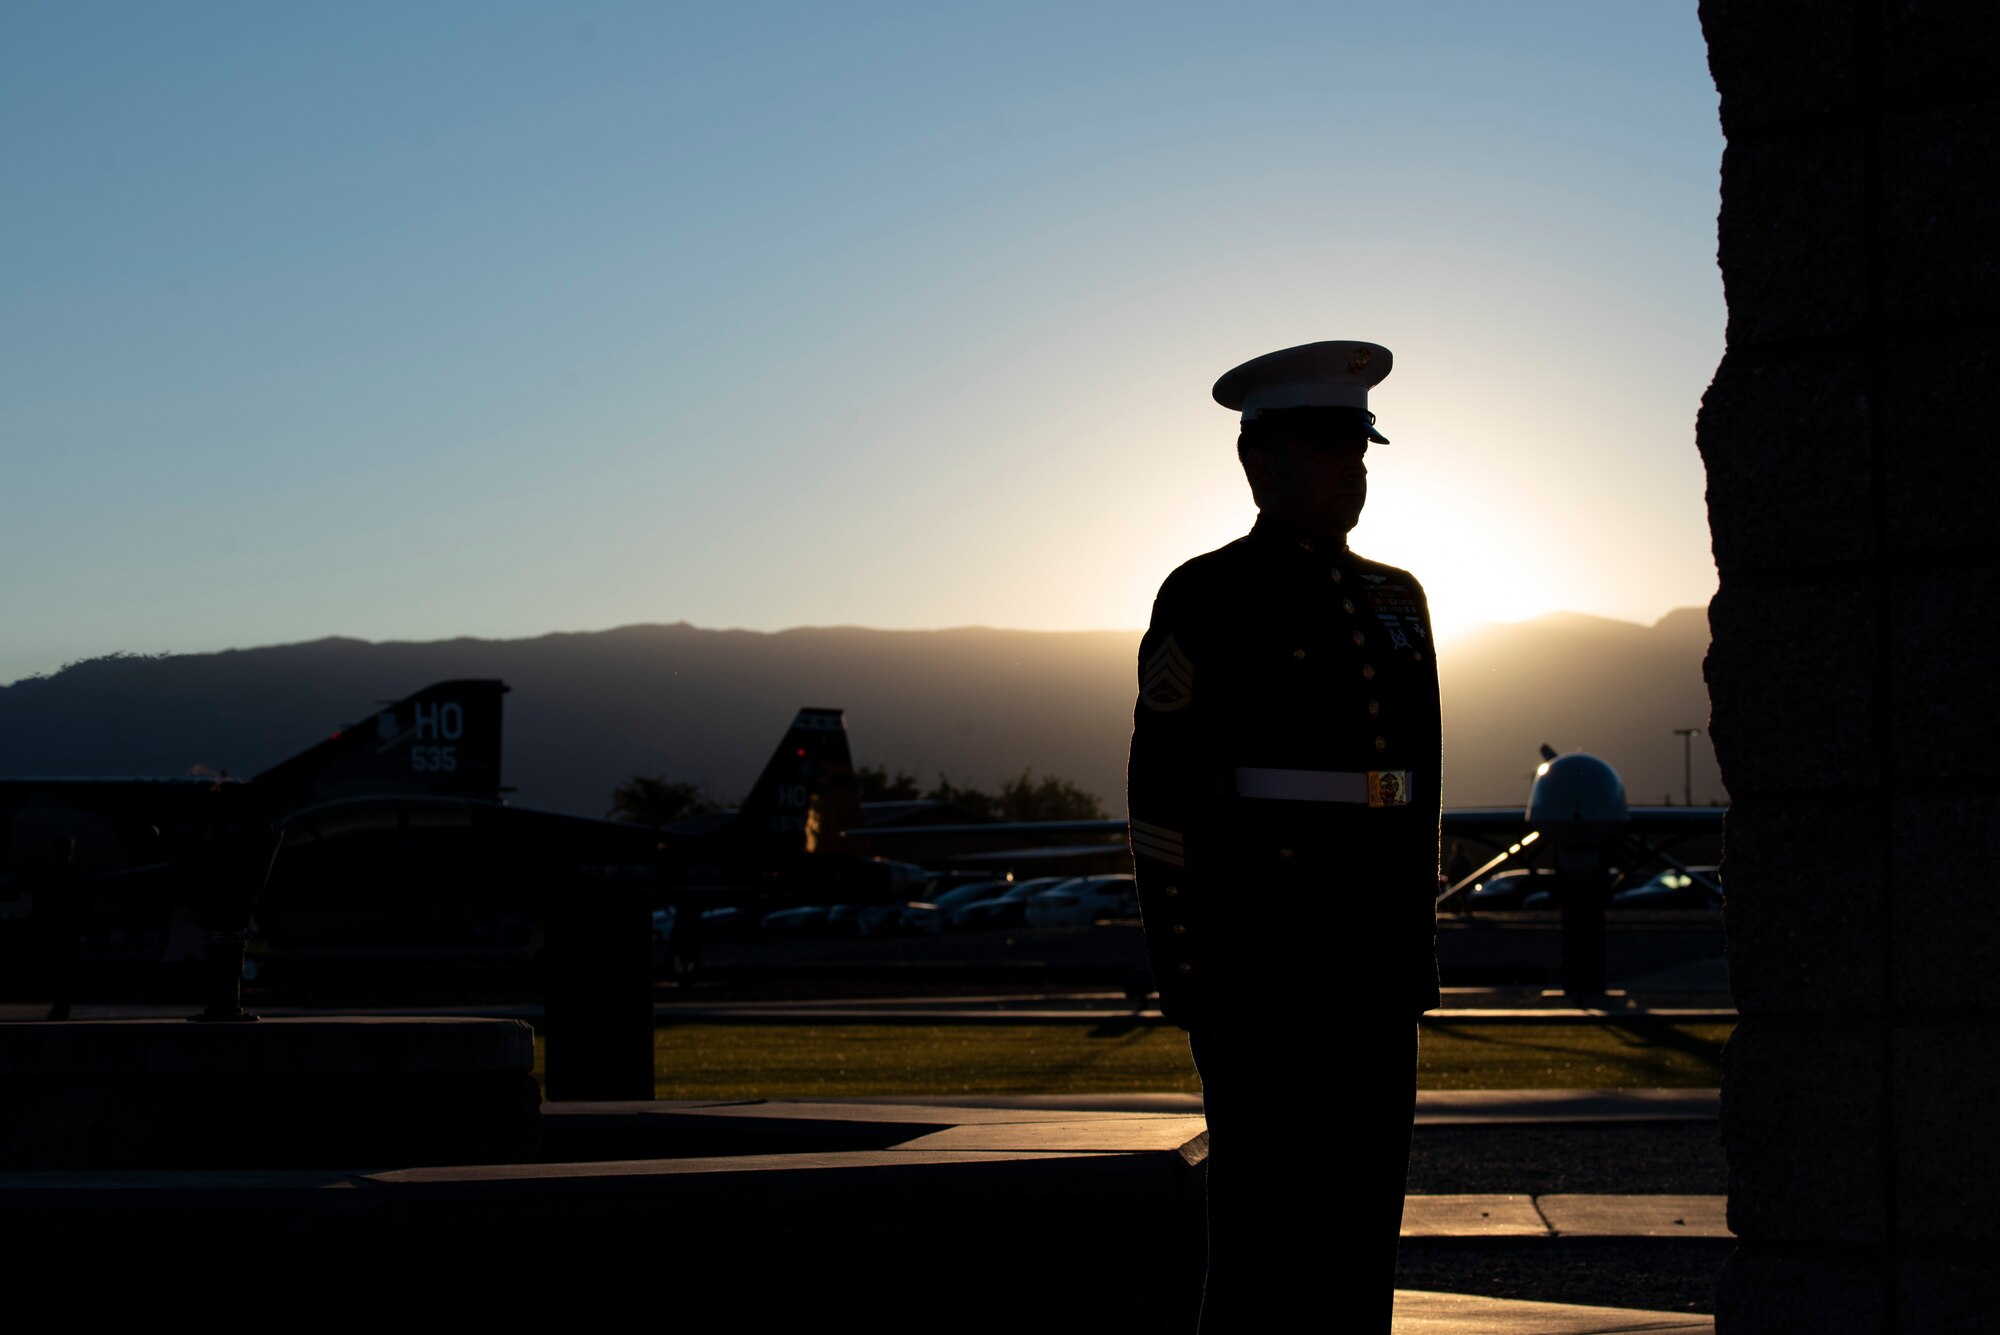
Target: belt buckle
1388,788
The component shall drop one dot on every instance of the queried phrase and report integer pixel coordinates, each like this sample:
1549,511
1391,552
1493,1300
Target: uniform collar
1277,537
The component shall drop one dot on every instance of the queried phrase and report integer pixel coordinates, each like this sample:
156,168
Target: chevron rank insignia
1166,680
1159,843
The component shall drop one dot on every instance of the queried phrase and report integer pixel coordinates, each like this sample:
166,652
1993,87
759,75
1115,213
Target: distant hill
1579,683
705,705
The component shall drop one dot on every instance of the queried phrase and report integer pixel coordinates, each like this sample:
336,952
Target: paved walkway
1420,1313
1498,1218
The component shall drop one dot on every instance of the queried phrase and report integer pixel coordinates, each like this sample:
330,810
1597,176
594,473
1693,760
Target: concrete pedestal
598,1017
287,1093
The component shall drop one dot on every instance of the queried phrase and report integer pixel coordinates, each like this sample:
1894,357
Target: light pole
1687,736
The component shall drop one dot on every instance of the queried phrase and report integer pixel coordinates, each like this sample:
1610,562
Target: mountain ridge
590,708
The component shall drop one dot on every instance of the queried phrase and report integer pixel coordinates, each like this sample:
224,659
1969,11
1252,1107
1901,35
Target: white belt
1373,788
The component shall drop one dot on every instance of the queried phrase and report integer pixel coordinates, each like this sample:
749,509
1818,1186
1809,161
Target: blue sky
419,320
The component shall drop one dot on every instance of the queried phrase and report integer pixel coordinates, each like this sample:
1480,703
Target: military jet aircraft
107,838
398,841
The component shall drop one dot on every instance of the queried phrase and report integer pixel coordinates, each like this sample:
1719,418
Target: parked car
803,920
1674,889
941,883
936,914
1507,889
730,923
864,919
1083,901
1006,909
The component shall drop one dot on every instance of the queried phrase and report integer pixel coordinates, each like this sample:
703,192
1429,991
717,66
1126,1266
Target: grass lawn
704,1061
1571,1056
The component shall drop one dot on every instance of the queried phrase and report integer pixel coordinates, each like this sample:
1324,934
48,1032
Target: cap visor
1377,436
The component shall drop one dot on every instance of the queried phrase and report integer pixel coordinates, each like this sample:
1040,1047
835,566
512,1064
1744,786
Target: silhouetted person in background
61,907
1284,796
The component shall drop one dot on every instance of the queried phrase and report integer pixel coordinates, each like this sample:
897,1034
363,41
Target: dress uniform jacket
1284,784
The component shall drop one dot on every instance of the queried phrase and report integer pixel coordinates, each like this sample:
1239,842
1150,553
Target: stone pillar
1854,498
597,1014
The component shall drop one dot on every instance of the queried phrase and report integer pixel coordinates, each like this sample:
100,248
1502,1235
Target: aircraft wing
1004,829
1678,818
1051,853
1506,824
1496,825
1507,833
996,843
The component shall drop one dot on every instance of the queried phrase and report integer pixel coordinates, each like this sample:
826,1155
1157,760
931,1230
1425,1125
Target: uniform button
1420,655
1187,968
1298,653
1179,930
1367,672
1359,638
1171,891
1347,606
1284,852
1374,708
1381,745
1336,576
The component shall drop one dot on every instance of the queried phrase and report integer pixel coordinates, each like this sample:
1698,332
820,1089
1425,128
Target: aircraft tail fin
444,740
806,798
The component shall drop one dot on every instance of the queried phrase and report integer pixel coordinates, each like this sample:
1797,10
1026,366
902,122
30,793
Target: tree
878,785
970,798
1049,798
1024,797
654,799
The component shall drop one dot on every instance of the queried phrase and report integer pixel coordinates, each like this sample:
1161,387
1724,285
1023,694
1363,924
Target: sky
415,321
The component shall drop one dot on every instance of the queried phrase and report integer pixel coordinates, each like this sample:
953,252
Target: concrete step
1421,1313
1435,1107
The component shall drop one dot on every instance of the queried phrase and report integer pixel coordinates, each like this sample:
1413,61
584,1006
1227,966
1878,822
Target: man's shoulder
1383,574
1210,573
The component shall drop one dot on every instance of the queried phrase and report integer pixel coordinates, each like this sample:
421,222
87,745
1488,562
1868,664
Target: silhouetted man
1284,795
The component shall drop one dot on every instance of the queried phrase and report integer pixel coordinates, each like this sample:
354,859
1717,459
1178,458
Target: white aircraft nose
1578,803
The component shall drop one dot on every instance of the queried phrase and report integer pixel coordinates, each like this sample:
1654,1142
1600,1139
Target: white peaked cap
1335,374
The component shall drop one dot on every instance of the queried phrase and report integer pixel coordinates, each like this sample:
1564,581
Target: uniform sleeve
1427,797
1167,792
